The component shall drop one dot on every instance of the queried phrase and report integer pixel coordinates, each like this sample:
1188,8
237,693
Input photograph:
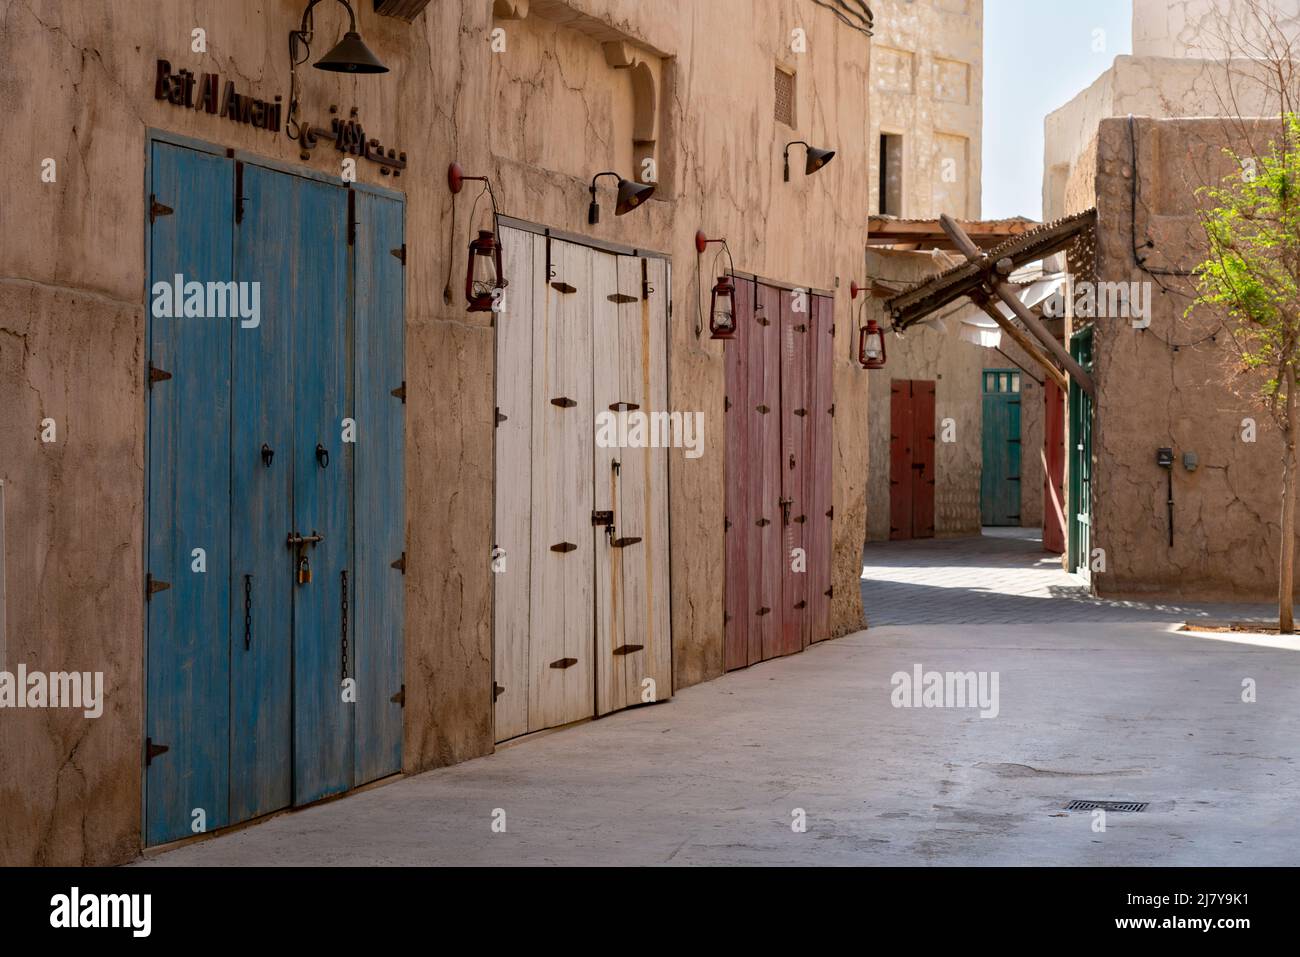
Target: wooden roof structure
985,277
926,234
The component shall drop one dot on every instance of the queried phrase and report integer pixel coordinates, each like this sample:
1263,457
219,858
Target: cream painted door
561,644
633,635
581,614
511,552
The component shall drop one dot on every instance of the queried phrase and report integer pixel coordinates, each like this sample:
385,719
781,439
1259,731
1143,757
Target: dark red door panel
922,459
900,459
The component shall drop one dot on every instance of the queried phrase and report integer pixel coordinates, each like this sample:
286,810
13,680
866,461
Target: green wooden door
1000,479
1079,506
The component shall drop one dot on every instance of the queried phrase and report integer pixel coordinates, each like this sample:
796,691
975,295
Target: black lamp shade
351,55
817,159
631,195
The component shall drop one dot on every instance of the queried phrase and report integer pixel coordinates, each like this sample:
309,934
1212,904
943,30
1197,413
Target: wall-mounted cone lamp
722,303
349,55
630,196
817,158
484,278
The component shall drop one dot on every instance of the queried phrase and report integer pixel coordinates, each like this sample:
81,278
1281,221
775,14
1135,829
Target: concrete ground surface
1095,703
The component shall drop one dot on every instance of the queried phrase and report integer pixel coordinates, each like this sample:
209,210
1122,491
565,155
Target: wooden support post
1023,342
998,285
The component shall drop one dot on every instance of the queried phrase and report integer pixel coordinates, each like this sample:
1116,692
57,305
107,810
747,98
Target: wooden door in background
1000,476
911,458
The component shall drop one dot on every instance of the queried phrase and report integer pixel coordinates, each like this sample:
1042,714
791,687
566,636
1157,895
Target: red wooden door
922,458
739,485
900,459
795,314
911,459
778,487
1054,471
765,475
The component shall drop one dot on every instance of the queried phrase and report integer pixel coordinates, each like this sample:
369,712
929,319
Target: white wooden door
581,619
511,554
561,660
634,654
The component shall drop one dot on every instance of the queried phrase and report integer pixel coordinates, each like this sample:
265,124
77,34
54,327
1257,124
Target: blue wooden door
1000,478
188,610
261,469
315,226
377,610
264,690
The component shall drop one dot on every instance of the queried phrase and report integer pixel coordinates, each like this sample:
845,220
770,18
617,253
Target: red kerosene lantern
871,346
722,310
483,272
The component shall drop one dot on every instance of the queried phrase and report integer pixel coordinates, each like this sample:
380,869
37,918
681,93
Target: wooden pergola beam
1022,340
996,281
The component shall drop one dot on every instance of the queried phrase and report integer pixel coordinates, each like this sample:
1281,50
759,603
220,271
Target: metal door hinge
400,392
500,416
624,542
624,407
830,512
628,649
157,209
764,611
831,410
400,697
564,547
830,592
726,403
763,522
157,375
564,402
762,409
802,327
564,288
152,585
400,564
801,412
152,751
400,253
564,663
800,605
620,298
497,691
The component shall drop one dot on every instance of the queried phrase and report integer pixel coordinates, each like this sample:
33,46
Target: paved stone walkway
1002,577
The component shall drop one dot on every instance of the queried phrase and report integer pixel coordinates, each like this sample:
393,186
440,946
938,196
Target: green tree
1252,276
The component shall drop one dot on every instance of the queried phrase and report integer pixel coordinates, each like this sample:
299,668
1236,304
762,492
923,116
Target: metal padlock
304,570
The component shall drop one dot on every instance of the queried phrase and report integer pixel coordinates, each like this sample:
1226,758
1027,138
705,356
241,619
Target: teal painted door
265,689
188,526
1000,478
1079,507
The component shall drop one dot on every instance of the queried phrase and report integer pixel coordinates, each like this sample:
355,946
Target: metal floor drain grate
1130,806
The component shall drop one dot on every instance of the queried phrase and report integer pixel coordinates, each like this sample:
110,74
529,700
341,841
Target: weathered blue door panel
261,630
188,624
318,287
377,611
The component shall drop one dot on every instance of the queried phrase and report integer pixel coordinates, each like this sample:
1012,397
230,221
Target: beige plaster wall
1226,512
927,84
1161,86
540,118
1207,28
